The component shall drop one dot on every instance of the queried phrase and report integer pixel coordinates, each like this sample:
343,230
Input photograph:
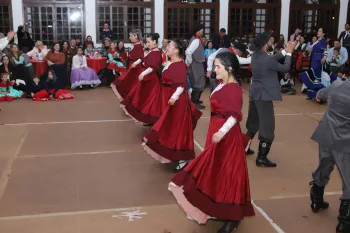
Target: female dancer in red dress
171,138
143,103
124,83
216,184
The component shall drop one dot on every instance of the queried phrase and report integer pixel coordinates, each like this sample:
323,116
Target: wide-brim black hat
241,47
197,28
260,41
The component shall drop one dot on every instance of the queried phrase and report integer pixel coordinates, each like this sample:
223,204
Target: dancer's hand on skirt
171,101
140,77
218,136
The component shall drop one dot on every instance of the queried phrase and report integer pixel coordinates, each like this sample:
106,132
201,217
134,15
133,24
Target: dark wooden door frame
313,7
125,4
266,6
191,6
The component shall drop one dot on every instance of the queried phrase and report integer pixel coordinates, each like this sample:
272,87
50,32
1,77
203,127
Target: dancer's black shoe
262,160
344,217
229,227
316,196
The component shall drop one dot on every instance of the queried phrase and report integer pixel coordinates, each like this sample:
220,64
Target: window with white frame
247,19
54,20
5,17
124,15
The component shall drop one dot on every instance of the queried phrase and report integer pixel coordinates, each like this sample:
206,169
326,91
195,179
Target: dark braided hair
154,37
229,59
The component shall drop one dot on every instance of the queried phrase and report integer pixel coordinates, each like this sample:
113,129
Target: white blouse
76,64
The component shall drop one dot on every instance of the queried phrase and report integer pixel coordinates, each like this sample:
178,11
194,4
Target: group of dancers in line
215,184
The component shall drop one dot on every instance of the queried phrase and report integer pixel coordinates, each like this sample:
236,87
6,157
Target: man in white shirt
195,58
165,43
343,53
239,49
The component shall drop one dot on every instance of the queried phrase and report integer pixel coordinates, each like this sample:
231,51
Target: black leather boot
316,196
195,97
250,151
199,98
262,160
344,217
228,227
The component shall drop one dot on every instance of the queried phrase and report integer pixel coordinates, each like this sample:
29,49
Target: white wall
343,14
90,19
223,15
17,13
159,19
285,18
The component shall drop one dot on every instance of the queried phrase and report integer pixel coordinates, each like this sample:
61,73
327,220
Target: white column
90,19
159,19
17,16
343,14
285,18
223,14
17,13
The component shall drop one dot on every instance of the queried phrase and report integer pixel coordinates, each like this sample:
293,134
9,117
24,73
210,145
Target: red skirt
127,81
216,183
61,94
144,102
171,138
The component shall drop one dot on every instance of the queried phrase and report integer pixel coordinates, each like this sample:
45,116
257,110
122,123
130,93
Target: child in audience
51,89
81,74
113,61
36,88
7,93
114,65
287,85
336,61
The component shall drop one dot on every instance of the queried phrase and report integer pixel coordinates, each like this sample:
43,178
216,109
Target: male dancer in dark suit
264,89
333,137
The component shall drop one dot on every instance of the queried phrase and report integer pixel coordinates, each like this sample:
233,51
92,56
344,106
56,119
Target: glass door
50,23
69,23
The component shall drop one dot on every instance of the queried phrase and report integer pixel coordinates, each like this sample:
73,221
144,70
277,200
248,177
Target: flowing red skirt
127,81
171,138
61,94
144,102
216,183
